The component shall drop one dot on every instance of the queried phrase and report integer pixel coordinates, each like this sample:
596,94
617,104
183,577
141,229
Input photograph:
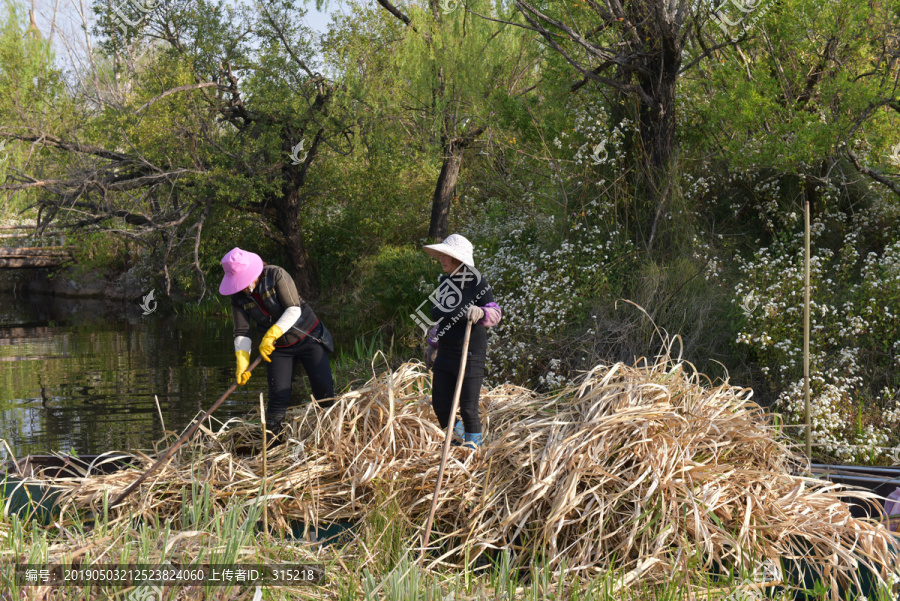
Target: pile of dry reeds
649,470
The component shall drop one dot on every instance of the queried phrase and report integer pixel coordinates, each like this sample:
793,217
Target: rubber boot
473,440
275,426
458,435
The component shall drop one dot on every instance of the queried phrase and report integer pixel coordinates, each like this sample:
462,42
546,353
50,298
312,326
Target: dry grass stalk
643,469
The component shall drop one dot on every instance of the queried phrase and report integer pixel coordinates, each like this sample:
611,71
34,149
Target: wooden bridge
30,257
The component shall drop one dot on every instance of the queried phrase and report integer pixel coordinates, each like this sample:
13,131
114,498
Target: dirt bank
73,282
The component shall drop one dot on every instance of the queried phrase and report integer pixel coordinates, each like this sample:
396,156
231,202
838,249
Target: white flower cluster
854,322
892,416
541,289
831,431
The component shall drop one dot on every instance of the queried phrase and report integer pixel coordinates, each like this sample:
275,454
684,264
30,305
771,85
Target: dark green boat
26,499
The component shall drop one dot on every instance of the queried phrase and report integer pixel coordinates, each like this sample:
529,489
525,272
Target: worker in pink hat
463,295
267,295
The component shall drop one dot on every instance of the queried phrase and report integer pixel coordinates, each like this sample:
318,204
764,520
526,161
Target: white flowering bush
542,274
559,247
855,330
544,293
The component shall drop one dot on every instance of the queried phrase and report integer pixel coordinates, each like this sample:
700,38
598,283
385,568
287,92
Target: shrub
387,284
854,348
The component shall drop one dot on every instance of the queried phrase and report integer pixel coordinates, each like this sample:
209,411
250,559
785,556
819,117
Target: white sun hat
455,246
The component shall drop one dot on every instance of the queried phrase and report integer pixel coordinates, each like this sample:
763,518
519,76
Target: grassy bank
640,483
379,564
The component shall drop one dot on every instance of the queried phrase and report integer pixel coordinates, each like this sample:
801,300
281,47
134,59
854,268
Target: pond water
80,375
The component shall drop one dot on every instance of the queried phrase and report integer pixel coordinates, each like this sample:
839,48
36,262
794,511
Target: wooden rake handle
450,424
190,432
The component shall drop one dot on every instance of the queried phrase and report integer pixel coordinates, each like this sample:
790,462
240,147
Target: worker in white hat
463,295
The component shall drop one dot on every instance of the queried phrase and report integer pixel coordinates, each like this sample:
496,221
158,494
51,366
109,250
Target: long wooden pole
190,432
450,424
806,331
262,413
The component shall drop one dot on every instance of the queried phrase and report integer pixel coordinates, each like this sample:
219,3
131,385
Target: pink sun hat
241,269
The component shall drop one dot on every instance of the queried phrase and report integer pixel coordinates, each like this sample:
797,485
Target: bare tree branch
395,11
280,33
195,86
486,18
893,103
874,175
54,142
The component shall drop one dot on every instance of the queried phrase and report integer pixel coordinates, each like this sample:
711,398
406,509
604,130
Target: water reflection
80,375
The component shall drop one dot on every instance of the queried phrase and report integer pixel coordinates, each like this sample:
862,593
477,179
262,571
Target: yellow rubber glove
268,342
243,362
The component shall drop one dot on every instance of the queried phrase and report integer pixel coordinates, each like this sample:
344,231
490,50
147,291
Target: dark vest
451,328
265,309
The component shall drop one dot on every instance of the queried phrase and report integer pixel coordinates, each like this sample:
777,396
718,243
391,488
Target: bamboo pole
159,410
190,432
446,452
262,413
806,331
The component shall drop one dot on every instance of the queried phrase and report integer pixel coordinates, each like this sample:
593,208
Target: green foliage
27,74
407,581
95,251
808,74
32,92
378,196
390,283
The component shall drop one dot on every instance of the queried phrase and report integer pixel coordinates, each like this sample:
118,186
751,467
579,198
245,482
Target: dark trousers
280,373
443,388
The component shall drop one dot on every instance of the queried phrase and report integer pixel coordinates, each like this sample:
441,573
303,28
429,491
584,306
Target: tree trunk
289,205
657,130
658,123
287,221
445,191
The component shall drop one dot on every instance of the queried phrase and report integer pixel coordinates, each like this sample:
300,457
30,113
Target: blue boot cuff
473,440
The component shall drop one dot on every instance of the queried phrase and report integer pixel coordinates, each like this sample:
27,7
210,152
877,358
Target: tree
637,49
815,95
31,86
449,64
208,111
